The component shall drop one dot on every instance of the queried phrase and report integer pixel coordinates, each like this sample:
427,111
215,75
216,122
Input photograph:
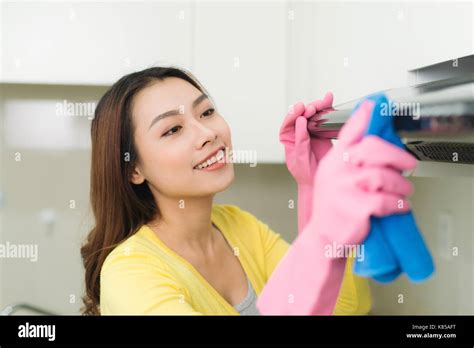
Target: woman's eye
172,130
208,112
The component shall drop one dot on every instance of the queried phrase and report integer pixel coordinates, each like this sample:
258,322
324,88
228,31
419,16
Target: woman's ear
136,177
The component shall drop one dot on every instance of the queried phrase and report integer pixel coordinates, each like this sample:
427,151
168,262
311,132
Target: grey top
247,306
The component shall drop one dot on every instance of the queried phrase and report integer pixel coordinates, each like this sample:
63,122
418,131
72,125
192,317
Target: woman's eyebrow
176,112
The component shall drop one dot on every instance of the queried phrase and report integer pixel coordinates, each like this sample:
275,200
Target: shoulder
239,225
240,222
136,250
243,224
136,279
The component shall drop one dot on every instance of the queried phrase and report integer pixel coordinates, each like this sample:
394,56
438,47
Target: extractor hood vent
435,120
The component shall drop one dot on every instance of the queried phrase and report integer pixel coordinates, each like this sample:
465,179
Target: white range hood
435,120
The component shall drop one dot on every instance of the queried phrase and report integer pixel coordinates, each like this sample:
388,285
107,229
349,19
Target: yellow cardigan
143,276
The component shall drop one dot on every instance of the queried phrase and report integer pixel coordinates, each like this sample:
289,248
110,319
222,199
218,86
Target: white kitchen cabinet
439,31
362,47
240,56
91,43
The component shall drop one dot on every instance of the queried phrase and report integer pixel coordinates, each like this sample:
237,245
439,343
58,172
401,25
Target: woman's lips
210,156
217,158
213,166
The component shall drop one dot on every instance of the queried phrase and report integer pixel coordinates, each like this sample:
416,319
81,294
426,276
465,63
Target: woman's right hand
303,152
359,177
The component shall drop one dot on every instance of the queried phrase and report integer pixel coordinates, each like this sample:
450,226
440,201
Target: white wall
44,181
438,203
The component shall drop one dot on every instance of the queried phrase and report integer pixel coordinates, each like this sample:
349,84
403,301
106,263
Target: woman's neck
186,223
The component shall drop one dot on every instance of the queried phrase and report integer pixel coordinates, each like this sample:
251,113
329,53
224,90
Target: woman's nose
204,134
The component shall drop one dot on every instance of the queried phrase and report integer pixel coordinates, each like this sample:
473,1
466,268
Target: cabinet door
439,31
91,42
240,56
362,47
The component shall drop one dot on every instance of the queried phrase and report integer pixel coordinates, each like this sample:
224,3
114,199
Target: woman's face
176,129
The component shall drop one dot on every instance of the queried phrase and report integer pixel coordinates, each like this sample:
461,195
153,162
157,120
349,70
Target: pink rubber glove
358,177
303,152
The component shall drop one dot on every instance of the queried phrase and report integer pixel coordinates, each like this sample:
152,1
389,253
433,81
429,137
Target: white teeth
213,159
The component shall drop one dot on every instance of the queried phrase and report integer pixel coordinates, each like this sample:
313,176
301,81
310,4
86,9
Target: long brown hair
119,207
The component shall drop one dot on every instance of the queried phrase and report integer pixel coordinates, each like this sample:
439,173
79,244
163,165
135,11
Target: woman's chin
218,183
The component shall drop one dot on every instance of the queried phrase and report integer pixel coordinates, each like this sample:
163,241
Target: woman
160,245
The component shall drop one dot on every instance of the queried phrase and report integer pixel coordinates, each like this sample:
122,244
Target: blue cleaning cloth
394,244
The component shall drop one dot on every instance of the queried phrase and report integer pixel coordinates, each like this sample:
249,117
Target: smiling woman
160,245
